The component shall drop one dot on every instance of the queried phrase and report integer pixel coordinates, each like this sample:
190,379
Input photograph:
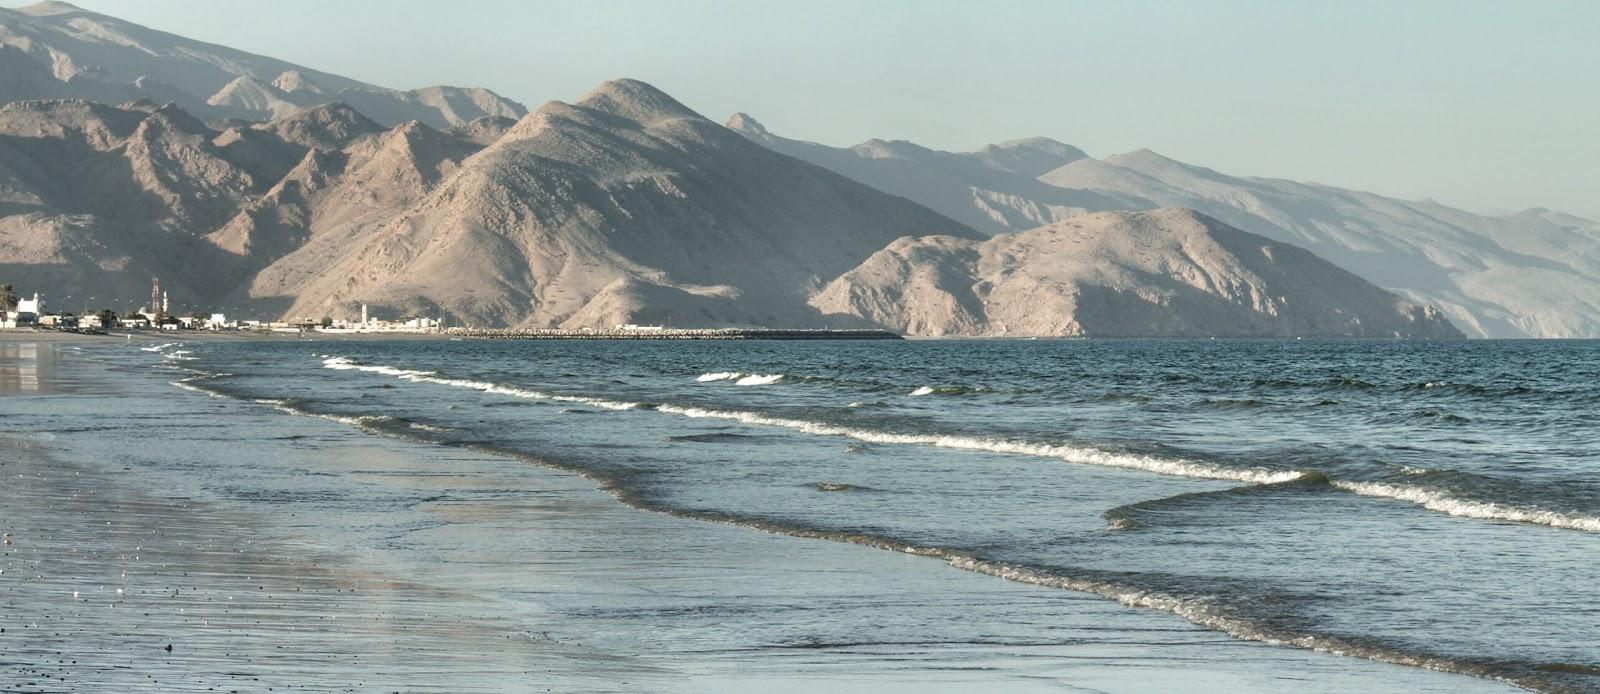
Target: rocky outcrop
1169,272
619,207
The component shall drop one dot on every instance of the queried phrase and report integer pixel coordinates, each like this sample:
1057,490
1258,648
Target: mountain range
625,206
1535,273
53,50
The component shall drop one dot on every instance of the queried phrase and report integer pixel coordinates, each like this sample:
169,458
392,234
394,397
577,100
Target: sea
1432,505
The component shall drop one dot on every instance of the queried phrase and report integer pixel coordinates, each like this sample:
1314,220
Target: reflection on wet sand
20,366
105,588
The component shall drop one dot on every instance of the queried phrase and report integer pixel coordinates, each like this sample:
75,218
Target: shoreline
595,549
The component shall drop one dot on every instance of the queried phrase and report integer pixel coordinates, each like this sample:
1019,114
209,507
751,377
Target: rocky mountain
995,189
53,50
1533,274
623,207
1169,272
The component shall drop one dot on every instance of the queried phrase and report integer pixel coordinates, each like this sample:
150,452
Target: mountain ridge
55,50
1492,275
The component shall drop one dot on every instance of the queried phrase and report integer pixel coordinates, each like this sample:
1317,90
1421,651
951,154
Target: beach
168,539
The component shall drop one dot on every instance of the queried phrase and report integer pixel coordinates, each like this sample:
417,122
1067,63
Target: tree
108,317
8,298
327,321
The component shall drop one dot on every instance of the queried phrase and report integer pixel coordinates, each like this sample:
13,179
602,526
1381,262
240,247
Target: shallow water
1417,503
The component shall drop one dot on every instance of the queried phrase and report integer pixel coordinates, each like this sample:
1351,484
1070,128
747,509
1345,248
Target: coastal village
18,311
158,314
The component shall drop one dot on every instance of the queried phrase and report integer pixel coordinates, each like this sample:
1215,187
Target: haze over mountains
53,50
626,206
1532,274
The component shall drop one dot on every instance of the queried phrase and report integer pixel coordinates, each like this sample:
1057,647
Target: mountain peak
635,100
1031,157
741,122
326,126
49,8
294,81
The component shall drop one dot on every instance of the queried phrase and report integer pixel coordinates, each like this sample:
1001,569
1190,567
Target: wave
1433,500
720,437
1445,502
1335,383
158,348
1469,388
759,380
1133,516
1233,404
741,379
1211,614
188,384
347,364
1073,454
1215,612
949,390
839,487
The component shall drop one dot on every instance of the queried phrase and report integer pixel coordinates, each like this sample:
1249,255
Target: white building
25,314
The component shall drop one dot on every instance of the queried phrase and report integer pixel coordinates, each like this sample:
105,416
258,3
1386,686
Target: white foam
925,390
427,427
740,379
759,380
1073,454
1205,612
158,348
1444,502
184,384
345,364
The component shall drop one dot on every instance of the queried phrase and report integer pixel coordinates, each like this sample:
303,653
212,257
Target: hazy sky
1485,105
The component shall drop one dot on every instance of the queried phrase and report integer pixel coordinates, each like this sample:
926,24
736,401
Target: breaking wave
948,390
1069,453
1445,502
1134,516
741,379
346,364
1433,500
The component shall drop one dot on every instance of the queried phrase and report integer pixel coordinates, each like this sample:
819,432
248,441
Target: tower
155,295
165,307
363,314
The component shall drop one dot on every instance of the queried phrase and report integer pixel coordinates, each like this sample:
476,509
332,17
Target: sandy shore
276,552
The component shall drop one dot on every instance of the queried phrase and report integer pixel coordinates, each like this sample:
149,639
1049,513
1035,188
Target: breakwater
671,334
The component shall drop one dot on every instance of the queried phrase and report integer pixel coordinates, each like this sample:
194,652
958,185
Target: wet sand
276,552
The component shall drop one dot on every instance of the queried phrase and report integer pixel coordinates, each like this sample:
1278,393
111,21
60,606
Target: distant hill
1533,274
1170,273
53,50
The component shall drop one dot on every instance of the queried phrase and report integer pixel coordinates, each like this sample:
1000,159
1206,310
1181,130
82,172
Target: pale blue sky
1486,105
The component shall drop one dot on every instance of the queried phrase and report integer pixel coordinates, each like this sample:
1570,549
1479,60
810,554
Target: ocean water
1427,504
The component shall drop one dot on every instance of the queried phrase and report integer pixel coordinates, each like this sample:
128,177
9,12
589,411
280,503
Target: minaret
363,315
166,308
155,294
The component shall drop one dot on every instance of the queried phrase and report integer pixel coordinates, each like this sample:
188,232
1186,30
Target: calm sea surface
1431,504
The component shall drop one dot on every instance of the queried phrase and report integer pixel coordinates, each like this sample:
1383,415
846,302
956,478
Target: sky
1489,106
